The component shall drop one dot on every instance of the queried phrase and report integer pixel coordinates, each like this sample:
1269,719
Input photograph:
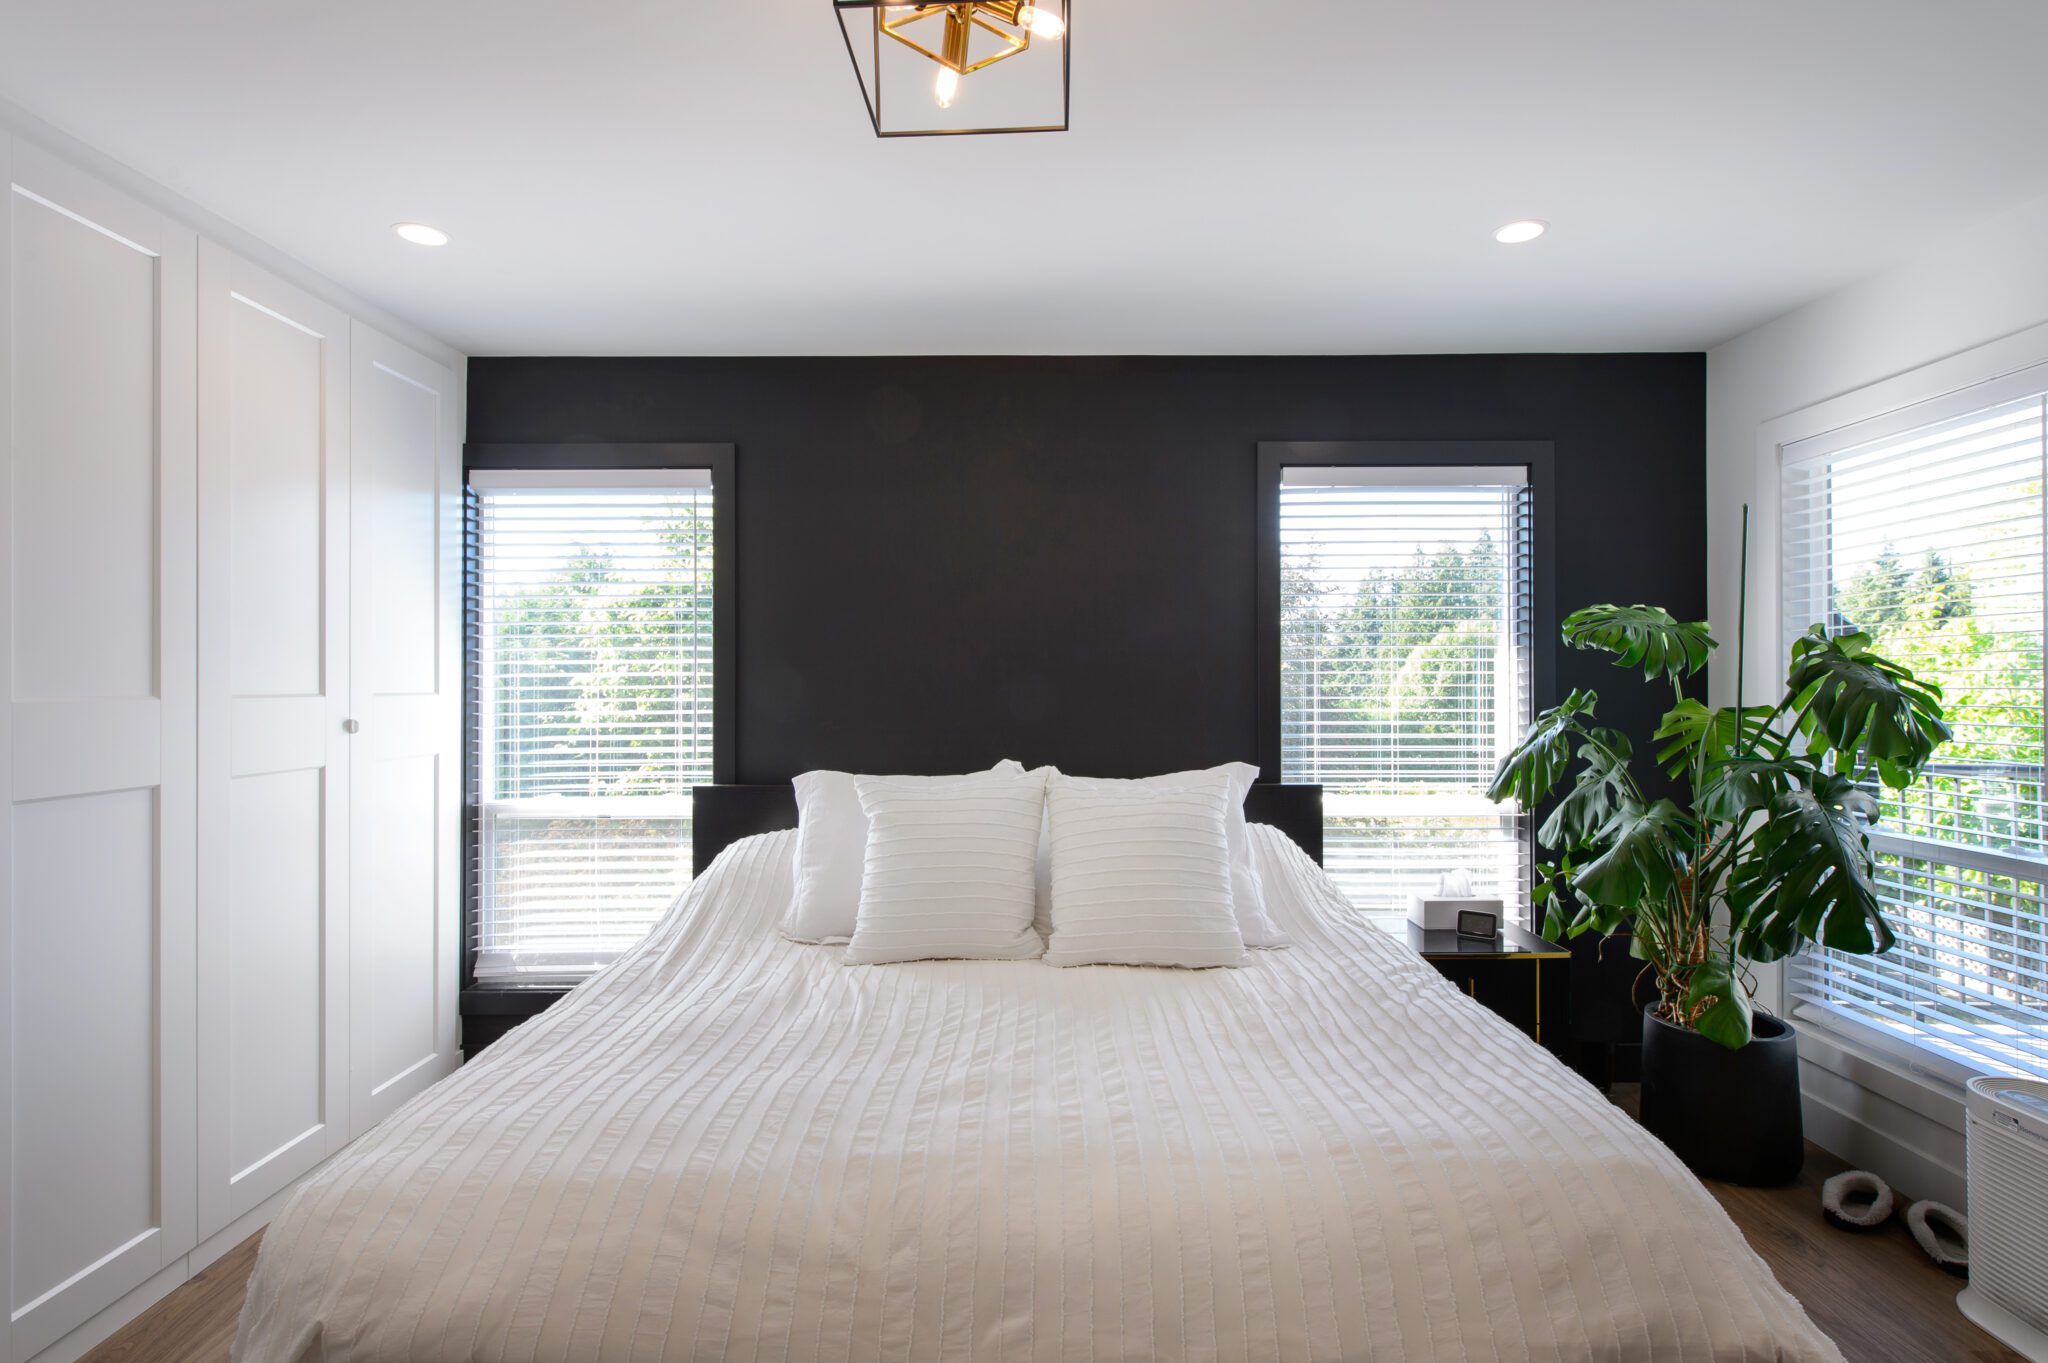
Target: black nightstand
1517,974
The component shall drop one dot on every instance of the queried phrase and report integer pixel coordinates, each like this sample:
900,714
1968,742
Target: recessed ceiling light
419,234
1528,229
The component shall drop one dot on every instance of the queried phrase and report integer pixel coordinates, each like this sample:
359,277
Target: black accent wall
946,561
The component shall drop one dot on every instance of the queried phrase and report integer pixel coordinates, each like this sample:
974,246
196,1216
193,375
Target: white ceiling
698,176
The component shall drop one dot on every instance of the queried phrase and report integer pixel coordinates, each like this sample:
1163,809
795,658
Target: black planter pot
1730,1115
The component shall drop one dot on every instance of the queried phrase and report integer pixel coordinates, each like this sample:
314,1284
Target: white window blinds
593,606
1929,537
1405,604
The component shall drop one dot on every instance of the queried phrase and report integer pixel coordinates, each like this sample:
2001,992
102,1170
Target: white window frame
1303,469
1984,376
678,806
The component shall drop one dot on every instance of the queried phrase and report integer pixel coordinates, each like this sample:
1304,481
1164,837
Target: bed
730,1146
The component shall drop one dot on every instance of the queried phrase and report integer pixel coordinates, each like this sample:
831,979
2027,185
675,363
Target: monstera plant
1765,853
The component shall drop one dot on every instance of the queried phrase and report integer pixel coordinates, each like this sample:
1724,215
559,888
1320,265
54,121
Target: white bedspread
729,1146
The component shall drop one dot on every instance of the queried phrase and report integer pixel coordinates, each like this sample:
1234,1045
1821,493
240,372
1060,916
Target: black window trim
1538,456
722,461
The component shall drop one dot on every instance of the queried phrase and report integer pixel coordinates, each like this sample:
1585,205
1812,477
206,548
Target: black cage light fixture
978,66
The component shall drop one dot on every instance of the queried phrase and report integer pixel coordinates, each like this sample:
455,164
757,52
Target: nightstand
1517,974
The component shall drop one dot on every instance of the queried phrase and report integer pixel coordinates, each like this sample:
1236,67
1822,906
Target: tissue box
1434,913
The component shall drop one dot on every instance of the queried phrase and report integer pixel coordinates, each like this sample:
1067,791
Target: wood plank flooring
195,1324
1875,1294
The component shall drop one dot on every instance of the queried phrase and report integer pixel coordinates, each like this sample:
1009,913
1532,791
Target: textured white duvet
729,1146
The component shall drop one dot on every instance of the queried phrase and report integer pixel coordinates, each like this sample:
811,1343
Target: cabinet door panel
1507,987
407,528
96,744
87,1181
85,424
1530,993
273,758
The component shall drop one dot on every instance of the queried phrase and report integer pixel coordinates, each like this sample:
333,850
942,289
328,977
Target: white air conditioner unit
2007,1134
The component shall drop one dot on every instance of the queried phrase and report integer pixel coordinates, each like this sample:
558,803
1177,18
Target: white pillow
831,848
1247,897
949,868
1141,874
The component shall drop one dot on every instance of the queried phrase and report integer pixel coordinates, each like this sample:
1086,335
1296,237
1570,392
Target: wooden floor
195,1322
1874,1293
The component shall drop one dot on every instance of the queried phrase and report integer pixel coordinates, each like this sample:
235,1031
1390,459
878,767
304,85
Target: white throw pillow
1247,897
831,850
1141,874
949,868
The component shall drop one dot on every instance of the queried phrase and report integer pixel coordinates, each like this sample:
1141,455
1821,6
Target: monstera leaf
1720,1004
1644,852
1591,801
1533,769
1690,728
1867,710
1648,637
1808,875
1564,913
1736,789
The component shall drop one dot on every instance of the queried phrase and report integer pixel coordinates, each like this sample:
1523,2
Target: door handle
349,726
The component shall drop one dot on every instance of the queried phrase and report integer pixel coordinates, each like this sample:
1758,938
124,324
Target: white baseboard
1875,1113
97,1330
102,1327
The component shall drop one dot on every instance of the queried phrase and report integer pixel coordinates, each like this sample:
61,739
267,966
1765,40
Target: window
1926,531
1405,607
593,709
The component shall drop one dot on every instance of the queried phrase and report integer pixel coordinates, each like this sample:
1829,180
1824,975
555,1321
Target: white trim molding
1866,1100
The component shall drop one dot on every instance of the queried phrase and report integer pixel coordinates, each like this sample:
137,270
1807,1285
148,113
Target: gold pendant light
937,69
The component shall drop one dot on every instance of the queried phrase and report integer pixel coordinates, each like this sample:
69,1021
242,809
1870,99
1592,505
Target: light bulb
1043,23
945,87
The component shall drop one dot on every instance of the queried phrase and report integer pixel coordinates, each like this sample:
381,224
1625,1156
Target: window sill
510,1000
1928,1063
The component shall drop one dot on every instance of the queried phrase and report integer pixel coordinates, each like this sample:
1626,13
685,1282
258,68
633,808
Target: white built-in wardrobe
230,617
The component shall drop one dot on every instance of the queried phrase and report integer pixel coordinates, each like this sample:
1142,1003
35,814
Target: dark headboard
722,815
